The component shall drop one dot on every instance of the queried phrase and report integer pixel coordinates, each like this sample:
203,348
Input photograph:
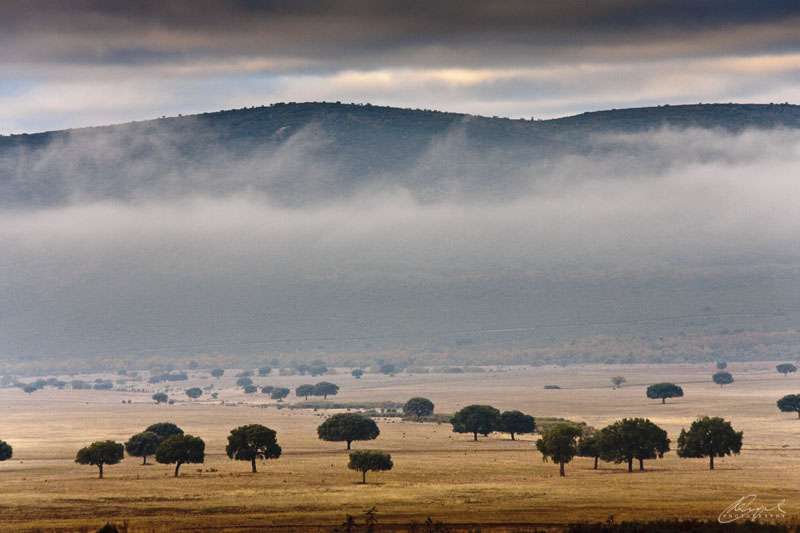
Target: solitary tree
164,430
558,444
305,391
790,403
218,372
194,393
515,422
388,368
618,380
722,378
279,393
347,427
589,446
244,381
30,388
664,391
476,419
325,388
143,444
632,438
101,453
250,389
5,451
160,397
366,460
786,369
180,449
722,365
251,442
264,371
418,407
267,389
709,437
357,373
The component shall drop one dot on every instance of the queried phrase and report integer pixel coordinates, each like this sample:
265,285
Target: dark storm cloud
353,31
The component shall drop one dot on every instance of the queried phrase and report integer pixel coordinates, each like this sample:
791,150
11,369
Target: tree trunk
561,469
595,462
144,460
475,436
663,399
348,444
641,464
630,465
363,477
711,462
253,463
100,466
798,413
512,436
177,466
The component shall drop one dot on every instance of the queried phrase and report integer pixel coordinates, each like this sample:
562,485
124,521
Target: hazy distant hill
282,149
656,234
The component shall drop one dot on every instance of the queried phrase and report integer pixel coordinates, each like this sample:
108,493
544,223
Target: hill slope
283,149
657,233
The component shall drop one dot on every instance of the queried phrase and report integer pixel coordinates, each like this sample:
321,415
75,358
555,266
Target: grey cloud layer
336,34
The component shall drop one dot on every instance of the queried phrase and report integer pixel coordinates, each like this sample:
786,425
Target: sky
91,62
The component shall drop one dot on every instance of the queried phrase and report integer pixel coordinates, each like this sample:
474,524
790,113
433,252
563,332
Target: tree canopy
722,378
325,389
101,453
790,403
366,460
305,391
6,451
218,372
589,446
160,397
618,380
279,393
164,430
709,437
347,427
515,422
244,381
179,449
558,444
143,444
786,368
664,391
194,393
357,373
251,442
264,371
476,419
418,407
632,438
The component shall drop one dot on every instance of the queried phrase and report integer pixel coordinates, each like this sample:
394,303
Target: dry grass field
494,484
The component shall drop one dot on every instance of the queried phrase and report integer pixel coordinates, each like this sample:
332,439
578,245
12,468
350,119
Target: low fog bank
283,251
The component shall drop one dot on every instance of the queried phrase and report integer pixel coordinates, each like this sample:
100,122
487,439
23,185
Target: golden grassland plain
494,484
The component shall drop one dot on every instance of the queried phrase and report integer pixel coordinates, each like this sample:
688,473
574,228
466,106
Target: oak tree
251,442
101,453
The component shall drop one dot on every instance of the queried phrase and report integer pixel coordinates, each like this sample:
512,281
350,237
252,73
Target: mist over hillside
346,228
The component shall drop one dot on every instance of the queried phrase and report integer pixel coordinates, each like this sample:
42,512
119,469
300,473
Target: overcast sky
84,62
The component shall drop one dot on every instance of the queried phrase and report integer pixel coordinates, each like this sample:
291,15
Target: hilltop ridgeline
307,152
